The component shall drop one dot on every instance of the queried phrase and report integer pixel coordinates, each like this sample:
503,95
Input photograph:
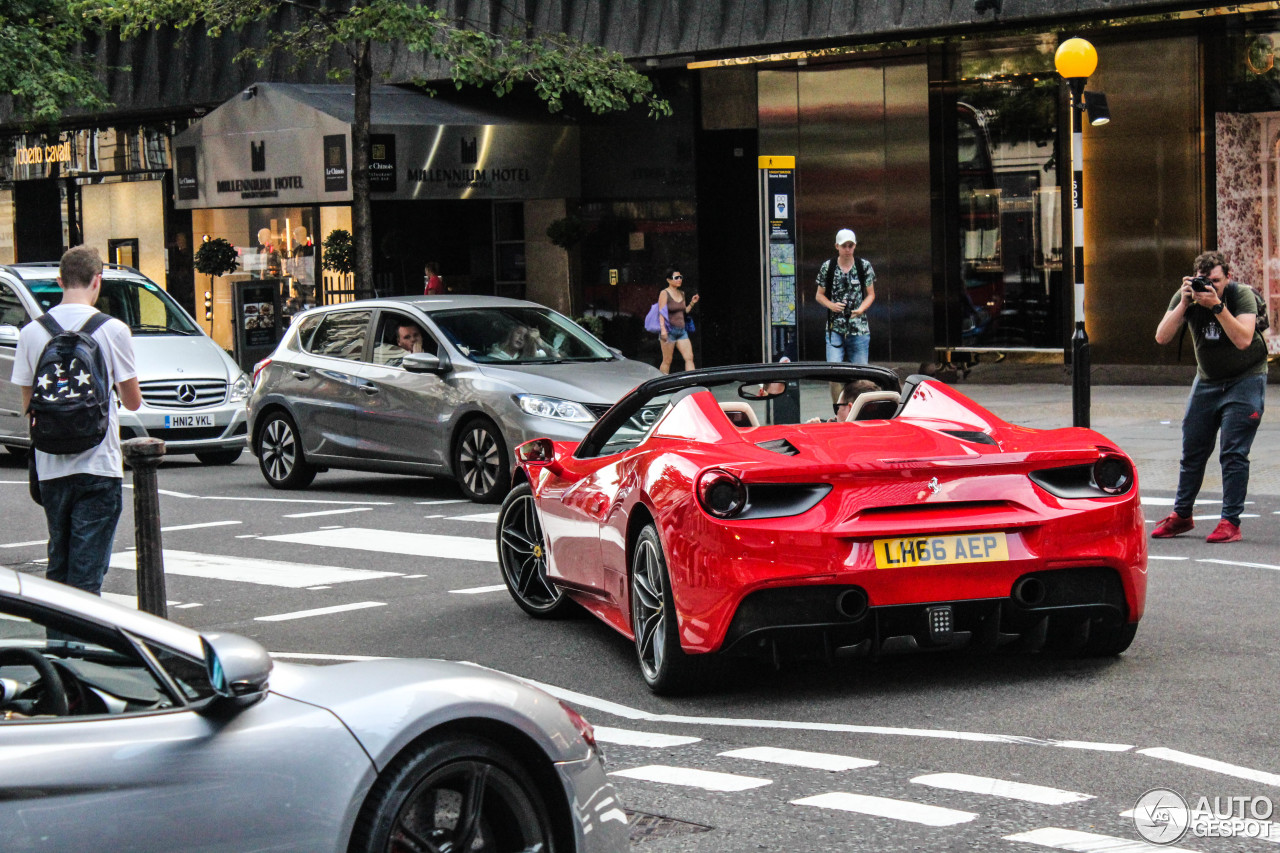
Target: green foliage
566,232
217,257
593,324
39,67
339,254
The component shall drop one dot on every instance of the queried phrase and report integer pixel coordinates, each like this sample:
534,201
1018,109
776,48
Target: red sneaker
1225,532
1172,526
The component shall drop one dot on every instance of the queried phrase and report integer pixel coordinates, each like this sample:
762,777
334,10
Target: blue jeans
82,511
1235,410
855,349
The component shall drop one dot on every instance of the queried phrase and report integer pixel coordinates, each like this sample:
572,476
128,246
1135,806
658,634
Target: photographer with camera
846,288
1227,394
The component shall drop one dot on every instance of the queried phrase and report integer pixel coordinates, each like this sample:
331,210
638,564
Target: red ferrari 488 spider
711,512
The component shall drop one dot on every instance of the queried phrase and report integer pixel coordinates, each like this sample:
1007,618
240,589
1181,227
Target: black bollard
144,455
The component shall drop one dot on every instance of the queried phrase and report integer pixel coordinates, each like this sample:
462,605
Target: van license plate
181,421
926,550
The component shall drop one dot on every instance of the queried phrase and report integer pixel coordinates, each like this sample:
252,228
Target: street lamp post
1075,60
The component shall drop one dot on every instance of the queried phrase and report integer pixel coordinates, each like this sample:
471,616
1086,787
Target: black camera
1201,284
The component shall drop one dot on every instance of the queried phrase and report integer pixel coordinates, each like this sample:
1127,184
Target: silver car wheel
479,462
279,449
648,613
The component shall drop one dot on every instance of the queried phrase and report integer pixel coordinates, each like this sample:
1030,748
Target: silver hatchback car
438,385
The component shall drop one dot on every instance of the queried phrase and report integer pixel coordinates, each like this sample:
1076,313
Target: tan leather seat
740,415
873,405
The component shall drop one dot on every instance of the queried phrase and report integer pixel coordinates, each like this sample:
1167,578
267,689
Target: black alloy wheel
522,554
663,663
280,454
480,462
462,794
219,457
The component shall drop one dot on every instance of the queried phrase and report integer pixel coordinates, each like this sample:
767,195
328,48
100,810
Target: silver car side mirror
238,667
8,336
424,362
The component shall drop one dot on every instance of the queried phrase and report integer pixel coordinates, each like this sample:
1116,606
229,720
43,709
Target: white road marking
320,611
1146,501
26,544
628,737
799,758
1157,557
396,542
250,570
246,536
330,512
1212,764
489,517
317,588
476,590
885,807
311,656
268,500
411,577
331,527
1265,830
131,601
1001,788
438,515
200,525
688,777
1241,564
620,710
438,503
188,606
1088,842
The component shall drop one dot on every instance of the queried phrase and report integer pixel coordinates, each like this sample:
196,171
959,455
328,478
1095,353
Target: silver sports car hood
181,356
601,382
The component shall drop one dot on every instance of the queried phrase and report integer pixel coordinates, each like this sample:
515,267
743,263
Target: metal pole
1080,340
143,456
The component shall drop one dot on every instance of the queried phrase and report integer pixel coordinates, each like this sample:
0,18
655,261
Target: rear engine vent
971,435
779,445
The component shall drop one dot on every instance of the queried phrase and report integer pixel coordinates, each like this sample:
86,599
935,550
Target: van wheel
480,462
280,454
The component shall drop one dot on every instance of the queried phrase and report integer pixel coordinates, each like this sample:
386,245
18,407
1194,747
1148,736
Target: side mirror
423,362
8,336
539,452
615,351
238,667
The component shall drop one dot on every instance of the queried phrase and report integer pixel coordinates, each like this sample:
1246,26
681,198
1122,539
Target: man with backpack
67,363
846,288
1227,394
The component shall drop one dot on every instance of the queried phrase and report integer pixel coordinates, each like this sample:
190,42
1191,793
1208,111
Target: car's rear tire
219,457
459,793
480,462
522,554
663,663
280,455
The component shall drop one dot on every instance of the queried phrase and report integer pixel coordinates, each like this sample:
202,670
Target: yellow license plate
926,550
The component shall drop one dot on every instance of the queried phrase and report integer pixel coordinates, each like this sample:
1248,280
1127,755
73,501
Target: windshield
141,305
518,335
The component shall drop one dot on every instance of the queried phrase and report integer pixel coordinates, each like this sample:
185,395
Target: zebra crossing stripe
396,542
266,572
1212,764
799,758
1088,842
886,807
1001,788
707,780
627,737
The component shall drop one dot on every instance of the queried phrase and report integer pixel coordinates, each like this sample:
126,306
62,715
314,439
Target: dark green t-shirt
1217,359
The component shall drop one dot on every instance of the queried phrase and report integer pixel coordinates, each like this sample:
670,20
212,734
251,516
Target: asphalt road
367,565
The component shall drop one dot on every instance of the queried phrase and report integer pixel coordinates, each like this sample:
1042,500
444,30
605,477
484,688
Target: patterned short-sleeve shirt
845,287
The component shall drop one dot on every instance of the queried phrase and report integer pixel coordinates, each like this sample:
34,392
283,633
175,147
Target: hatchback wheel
480,462
280,454
522,553
462,794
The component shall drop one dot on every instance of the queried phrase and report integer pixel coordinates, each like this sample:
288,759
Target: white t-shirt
117,350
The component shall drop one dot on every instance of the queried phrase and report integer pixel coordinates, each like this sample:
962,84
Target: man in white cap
846,288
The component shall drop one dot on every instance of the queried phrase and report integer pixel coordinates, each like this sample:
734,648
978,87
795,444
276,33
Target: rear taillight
579,722
720,493
1113,474
258,368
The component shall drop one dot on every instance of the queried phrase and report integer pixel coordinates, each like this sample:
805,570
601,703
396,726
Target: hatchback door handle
368,388
301,374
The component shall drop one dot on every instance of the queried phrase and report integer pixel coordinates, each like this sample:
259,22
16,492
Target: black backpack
71,392
831,277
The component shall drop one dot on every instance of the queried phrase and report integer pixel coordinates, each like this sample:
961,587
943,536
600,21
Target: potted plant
217,257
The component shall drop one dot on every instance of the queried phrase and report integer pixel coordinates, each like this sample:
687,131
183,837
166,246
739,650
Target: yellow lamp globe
1075,59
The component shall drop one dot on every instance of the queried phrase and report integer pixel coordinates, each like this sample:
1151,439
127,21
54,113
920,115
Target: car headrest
873,405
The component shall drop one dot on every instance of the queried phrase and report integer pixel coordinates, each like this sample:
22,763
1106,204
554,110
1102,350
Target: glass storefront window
1007,199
